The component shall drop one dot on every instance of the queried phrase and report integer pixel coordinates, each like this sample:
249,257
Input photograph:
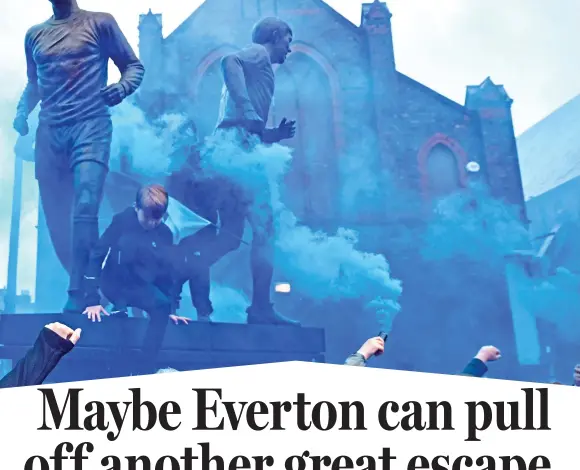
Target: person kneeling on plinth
132,265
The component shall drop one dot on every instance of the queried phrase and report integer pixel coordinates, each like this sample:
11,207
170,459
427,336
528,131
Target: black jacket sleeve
171,279
39,361
232,207
475,368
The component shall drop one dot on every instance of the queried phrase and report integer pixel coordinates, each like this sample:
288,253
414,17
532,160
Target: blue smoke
319,266
229,304
551,295
327,268
557,300
149,145
473,225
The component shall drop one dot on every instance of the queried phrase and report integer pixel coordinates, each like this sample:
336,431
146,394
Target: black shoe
268,316
204,318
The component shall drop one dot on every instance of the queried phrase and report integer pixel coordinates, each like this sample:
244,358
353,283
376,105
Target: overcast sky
530,46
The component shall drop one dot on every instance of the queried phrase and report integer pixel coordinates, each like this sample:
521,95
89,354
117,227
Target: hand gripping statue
66,62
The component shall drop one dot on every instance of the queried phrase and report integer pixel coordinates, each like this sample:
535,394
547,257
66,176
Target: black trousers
220,203
71,168
222,200
198,253
151,299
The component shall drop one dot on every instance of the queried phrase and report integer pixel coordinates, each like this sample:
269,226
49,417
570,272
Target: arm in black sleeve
475,368
31,95
39,361
98,255
116,46
171,279
231,205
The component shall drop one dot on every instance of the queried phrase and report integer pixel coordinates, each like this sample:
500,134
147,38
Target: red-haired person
132,266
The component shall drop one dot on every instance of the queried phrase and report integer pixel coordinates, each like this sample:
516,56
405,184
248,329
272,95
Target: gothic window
442,170
208,97
303,93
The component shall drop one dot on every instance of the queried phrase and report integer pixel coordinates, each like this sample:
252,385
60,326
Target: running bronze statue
66,63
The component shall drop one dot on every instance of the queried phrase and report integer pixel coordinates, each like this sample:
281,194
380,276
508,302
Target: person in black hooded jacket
53,343
139,264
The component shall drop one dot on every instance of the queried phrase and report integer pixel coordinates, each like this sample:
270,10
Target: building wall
553,207
352,116
328,79
342,66
428,119
493,107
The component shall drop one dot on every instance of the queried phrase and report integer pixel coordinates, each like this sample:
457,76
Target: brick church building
362,124
355,111
341,85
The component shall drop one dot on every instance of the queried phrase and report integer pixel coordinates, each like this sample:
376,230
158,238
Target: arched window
305,92
442,163
206,91
208,99
442,171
